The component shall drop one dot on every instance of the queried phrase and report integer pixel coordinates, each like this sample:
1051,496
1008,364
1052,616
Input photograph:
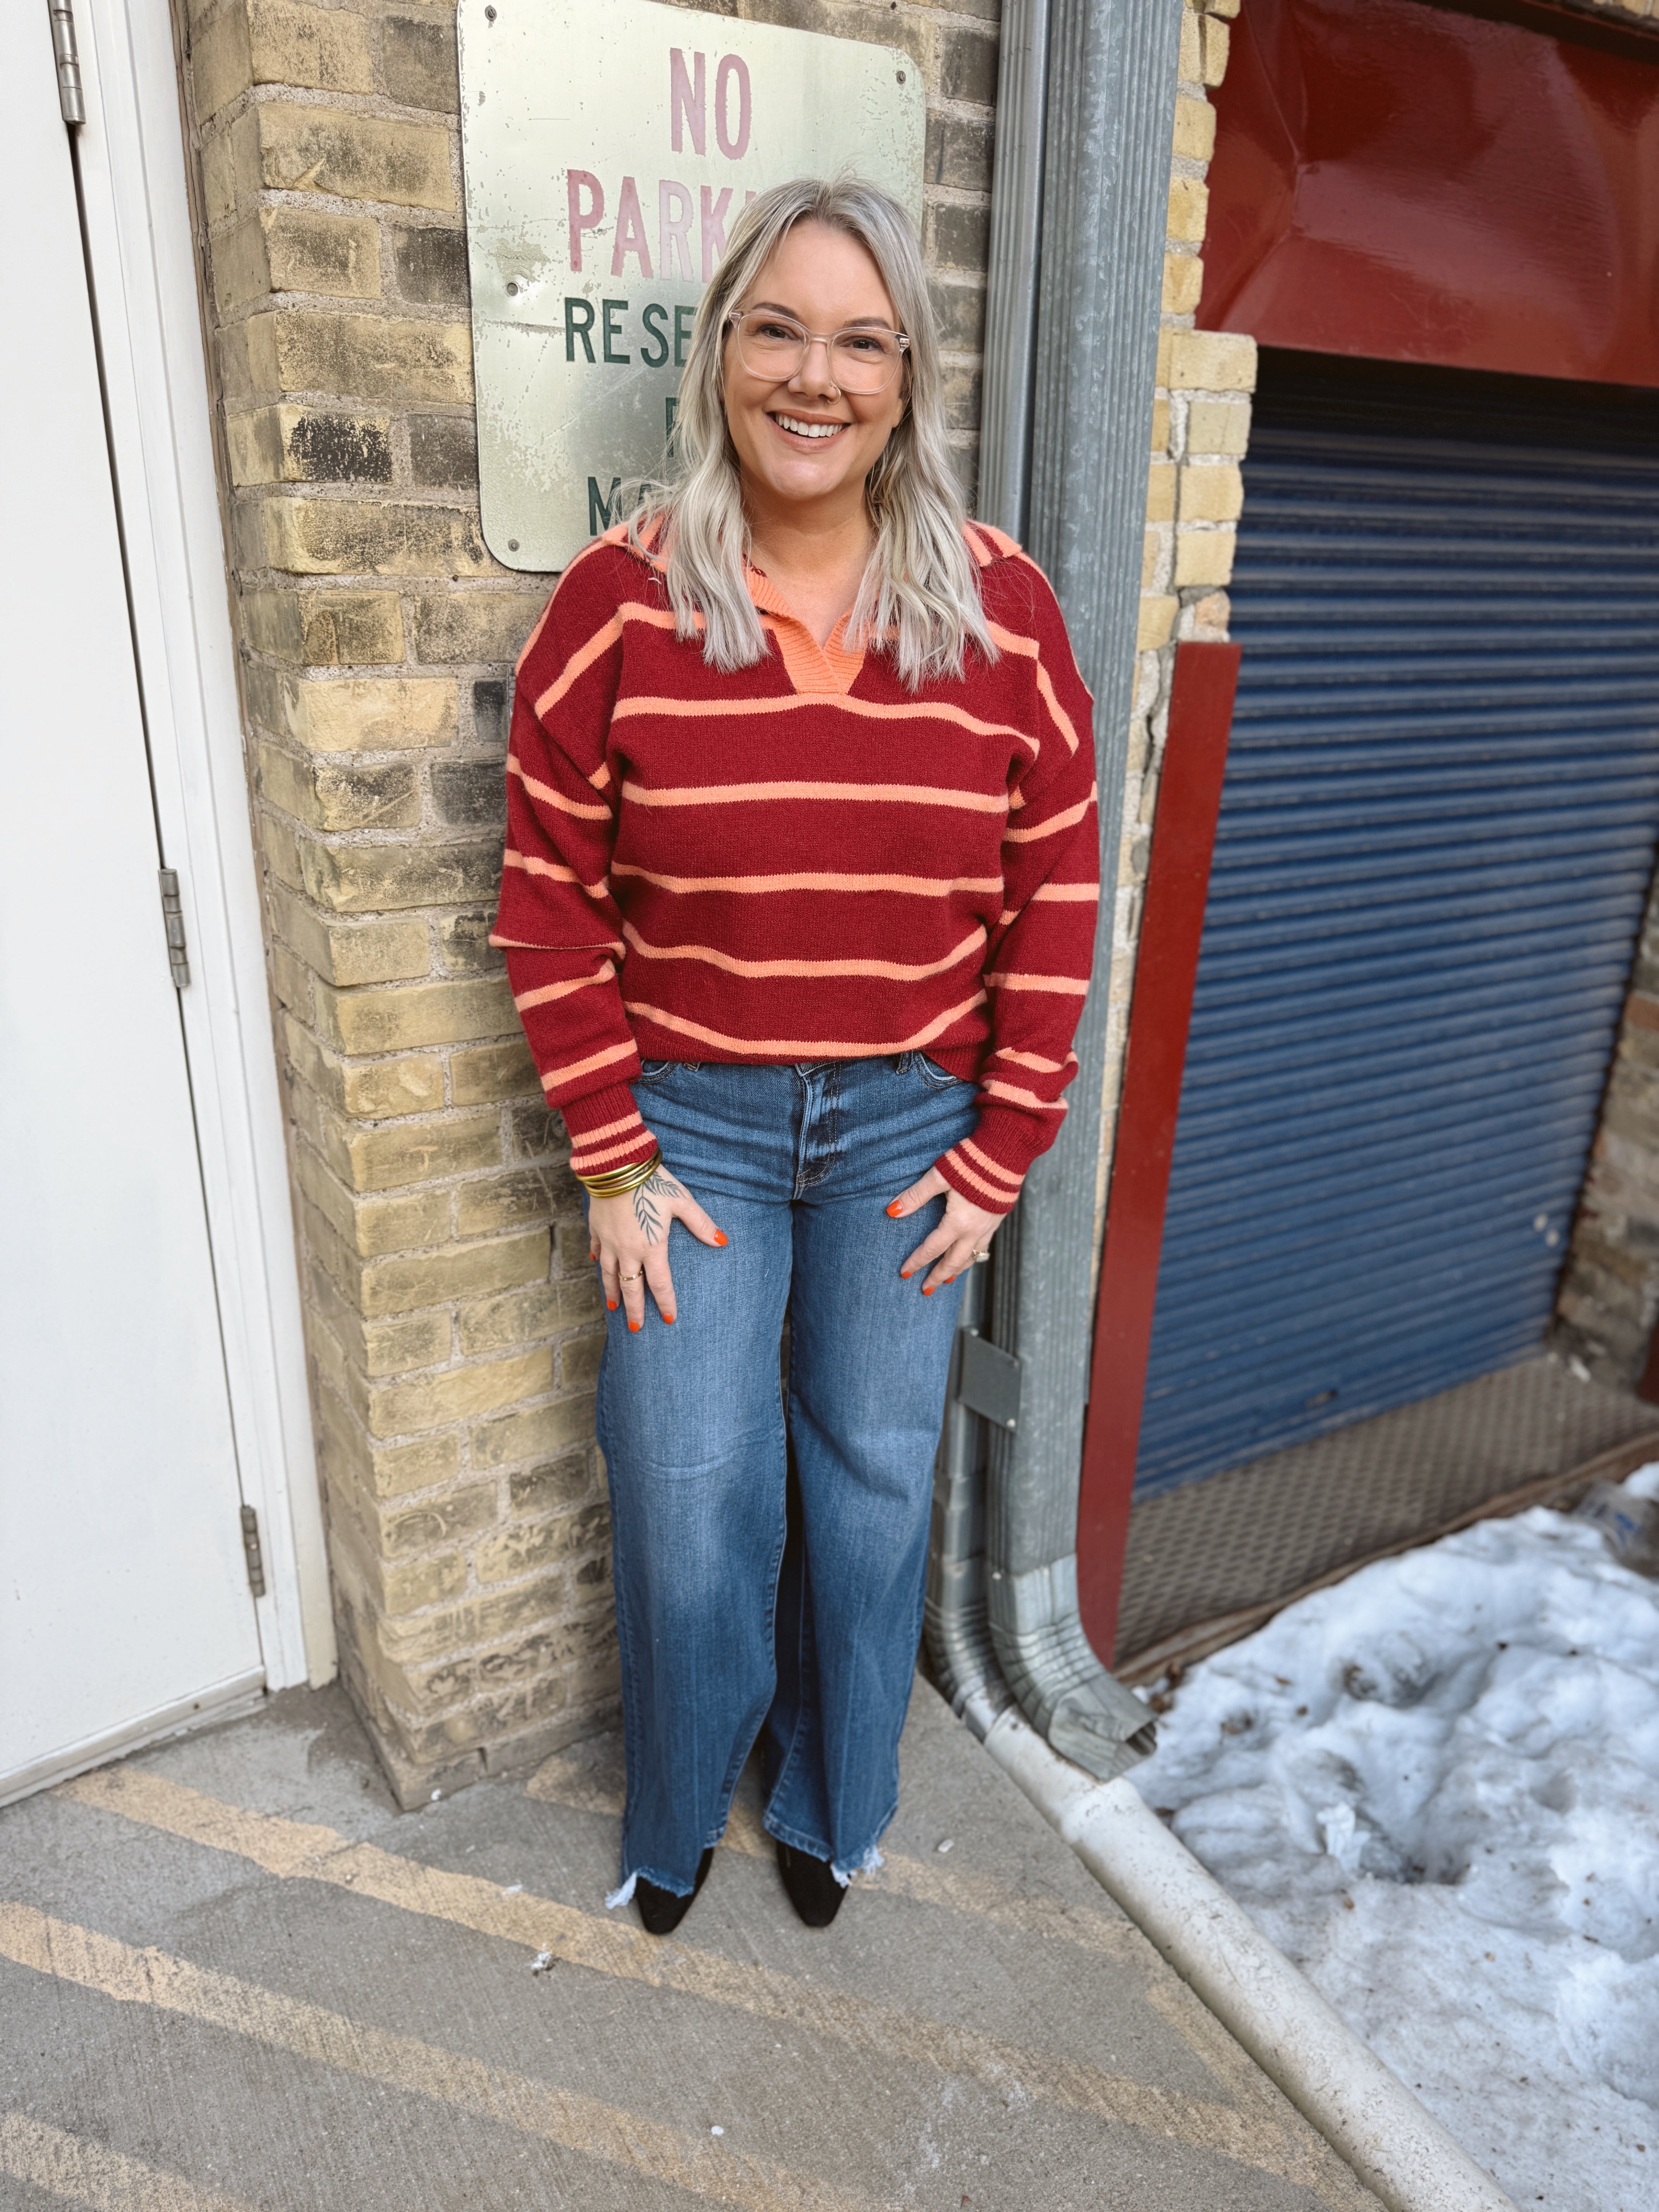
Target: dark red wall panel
1396,180
1177,881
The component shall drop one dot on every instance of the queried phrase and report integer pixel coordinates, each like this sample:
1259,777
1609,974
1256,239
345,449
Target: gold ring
980,1258
629,1279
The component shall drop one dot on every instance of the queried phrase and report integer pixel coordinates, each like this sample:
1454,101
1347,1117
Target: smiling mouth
815,433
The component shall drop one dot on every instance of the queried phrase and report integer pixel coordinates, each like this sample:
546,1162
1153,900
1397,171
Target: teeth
808,429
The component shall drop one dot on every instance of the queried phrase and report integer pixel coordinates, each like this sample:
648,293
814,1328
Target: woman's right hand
628,1237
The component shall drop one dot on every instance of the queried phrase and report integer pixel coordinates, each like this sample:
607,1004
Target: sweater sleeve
558,923
1039,956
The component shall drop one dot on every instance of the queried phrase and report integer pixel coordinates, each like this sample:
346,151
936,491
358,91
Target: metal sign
608,145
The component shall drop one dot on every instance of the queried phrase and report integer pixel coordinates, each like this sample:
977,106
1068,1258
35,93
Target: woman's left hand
965,1233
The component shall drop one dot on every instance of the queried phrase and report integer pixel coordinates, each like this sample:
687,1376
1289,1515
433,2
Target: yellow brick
372,879
327,796
286,146
1218,426
533,1544
1161,492
380,1347
1190,67
1204,557
328,629
1152,548
367,1090
218,175
473,626
1210,361
309,537
1216,40
1212,492
1189,206
458,1393
505,1263
495,1071
436,1520
1160,426
369,1227
412,1151
1165,343
490,1202
385,1470
276,42
531,1431
1155,623
1221,7
1184,284
290,979
307,445
371,357
1195,128
350,953
356,713
398,1018
291,249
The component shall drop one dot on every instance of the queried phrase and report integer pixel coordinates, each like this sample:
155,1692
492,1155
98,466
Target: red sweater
803,861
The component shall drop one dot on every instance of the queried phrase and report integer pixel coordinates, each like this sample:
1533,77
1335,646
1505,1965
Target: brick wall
1200,427
453,1324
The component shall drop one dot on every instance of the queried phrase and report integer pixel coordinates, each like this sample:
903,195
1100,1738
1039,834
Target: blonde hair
920,593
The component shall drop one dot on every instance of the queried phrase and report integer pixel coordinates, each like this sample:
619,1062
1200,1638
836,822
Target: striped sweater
800,861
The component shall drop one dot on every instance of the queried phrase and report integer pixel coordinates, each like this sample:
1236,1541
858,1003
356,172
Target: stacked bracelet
620,1180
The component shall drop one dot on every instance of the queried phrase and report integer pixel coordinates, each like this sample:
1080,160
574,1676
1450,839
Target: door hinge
173,915
255,1557
71,100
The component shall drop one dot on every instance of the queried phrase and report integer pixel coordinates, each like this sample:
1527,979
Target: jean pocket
653,1071
930,1073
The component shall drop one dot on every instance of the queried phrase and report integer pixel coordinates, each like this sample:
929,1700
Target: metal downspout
1084,120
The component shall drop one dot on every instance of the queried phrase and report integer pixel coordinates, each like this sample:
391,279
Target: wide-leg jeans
771,1544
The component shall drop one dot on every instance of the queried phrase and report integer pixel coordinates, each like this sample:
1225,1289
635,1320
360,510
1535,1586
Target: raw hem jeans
770,1567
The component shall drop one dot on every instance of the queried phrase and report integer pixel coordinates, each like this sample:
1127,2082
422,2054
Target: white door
124,1603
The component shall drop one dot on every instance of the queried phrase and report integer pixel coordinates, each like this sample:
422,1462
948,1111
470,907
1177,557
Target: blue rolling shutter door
1435,839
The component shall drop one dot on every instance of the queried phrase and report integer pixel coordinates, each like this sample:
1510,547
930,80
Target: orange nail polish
721,1236
633,1329
611,1305
668,1318
928,1290
895,1210
905,1273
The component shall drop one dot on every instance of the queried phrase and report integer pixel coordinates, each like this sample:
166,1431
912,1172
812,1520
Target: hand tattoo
661,1185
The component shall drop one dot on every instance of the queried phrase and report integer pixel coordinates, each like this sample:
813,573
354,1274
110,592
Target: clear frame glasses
773,347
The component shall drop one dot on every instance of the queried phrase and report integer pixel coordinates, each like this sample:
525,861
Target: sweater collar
832,667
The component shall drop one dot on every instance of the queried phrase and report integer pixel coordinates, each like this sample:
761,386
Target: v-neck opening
832,668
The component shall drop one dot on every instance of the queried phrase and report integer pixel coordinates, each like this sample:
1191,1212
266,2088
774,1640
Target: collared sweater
800,861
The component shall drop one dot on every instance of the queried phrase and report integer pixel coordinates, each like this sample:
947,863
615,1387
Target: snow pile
1436,1787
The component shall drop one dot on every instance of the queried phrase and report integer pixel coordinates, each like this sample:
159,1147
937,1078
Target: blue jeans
770,1568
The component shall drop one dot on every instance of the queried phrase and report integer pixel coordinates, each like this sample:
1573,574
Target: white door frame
138,222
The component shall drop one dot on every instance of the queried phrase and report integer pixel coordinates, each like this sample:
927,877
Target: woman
798,910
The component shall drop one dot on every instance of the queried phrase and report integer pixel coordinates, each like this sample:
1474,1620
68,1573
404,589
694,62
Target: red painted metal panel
1177,880
1400,181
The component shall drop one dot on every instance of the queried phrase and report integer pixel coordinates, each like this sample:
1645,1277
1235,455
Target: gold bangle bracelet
620,1180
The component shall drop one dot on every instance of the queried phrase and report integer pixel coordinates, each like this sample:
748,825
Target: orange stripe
1006,546
1066,821
872,709
808,1048
547,992
991,1167
550,868
548,796
885,795
571,567
556,1076
608,1129
580,662
1027,648
912,886
1035,1061
1081,894
1064,983
891,971
991,1189
995,1090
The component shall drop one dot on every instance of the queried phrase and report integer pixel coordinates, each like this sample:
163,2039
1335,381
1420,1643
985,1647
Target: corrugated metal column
1104,180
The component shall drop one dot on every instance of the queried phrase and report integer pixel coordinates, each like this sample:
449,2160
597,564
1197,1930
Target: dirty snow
1436,1787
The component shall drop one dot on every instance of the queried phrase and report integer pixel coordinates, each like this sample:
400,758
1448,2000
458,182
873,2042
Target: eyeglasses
775,348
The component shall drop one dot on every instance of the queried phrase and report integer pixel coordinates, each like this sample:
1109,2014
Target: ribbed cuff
988,1168
606,1131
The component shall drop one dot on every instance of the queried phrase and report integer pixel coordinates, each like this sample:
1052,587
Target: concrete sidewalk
233,1976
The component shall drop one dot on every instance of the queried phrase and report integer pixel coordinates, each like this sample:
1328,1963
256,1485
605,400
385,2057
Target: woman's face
826,281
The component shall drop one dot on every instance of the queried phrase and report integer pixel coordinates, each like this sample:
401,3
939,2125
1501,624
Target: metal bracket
987,1379
252,1551
71,100
173,915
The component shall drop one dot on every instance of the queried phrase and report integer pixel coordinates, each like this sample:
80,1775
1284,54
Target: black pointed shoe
813,1890
659,1908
